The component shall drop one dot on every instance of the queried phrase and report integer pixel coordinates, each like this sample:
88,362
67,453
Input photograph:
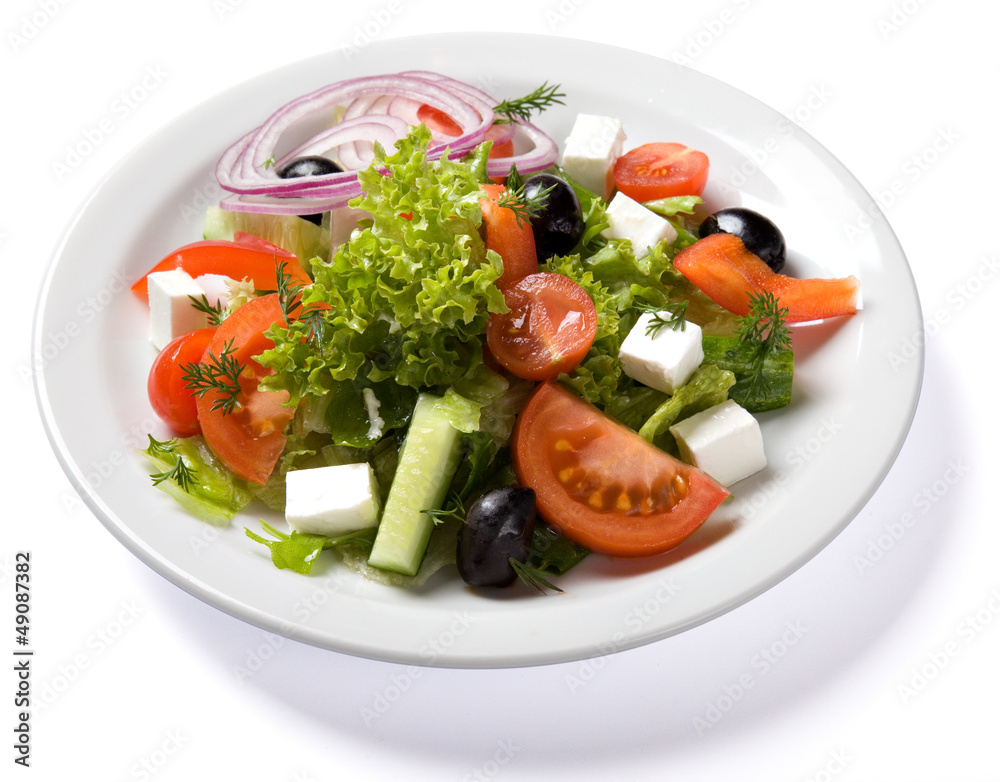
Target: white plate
855,390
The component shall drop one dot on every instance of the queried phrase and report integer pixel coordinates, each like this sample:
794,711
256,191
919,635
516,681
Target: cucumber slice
427,464
737,356
289,232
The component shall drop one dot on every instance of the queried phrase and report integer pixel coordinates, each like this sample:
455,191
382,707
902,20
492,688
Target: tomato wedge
513,241
600,484
254,258
250,439
722,267
168,393
441,124
661,170
550,327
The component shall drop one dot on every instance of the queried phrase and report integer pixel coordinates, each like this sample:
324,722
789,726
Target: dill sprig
180,473
216,313
290,301
508,111
218,373
670,316
525,207
159,449
531,576
764,328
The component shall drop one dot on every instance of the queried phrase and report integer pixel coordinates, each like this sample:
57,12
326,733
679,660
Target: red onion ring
377,109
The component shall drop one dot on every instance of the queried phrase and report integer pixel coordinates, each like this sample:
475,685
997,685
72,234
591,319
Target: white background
879,672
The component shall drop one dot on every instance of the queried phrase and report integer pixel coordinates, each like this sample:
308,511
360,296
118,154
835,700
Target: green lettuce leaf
708,386
406,298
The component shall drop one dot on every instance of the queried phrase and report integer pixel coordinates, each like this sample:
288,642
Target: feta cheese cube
628,219
664,360
216,288
590,152
724,441
171,312
331,500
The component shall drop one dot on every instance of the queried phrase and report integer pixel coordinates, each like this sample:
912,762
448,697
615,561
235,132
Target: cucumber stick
427,464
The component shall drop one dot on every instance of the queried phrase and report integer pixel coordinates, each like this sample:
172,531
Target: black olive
558,225
759,235
497,527
312,165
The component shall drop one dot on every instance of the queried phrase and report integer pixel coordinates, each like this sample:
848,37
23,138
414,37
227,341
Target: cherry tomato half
661,170
513,241
550,327
168,392
250,439
727,272
600,484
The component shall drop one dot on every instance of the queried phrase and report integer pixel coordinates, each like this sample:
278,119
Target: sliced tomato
513,241
441,124
602,485
550,327
256,259
727,272
250,439
168,393
661,170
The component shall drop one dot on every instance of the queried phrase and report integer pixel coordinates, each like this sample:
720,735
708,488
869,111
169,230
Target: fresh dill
216,312
158,449
525,207
218,373
763,327
522,108
180,473
532,576
670,316
290,300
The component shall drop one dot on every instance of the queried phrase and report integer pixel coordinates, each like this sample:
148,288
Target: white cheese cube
331,500
724,441
171,312
215,287
664,360
590,152
628,219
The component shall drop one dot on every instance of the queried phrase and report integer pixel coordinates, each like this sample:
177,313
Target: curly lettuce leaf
406,298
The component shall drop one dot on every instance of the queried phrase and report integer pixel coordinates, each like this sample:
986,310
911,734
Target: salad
428,337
